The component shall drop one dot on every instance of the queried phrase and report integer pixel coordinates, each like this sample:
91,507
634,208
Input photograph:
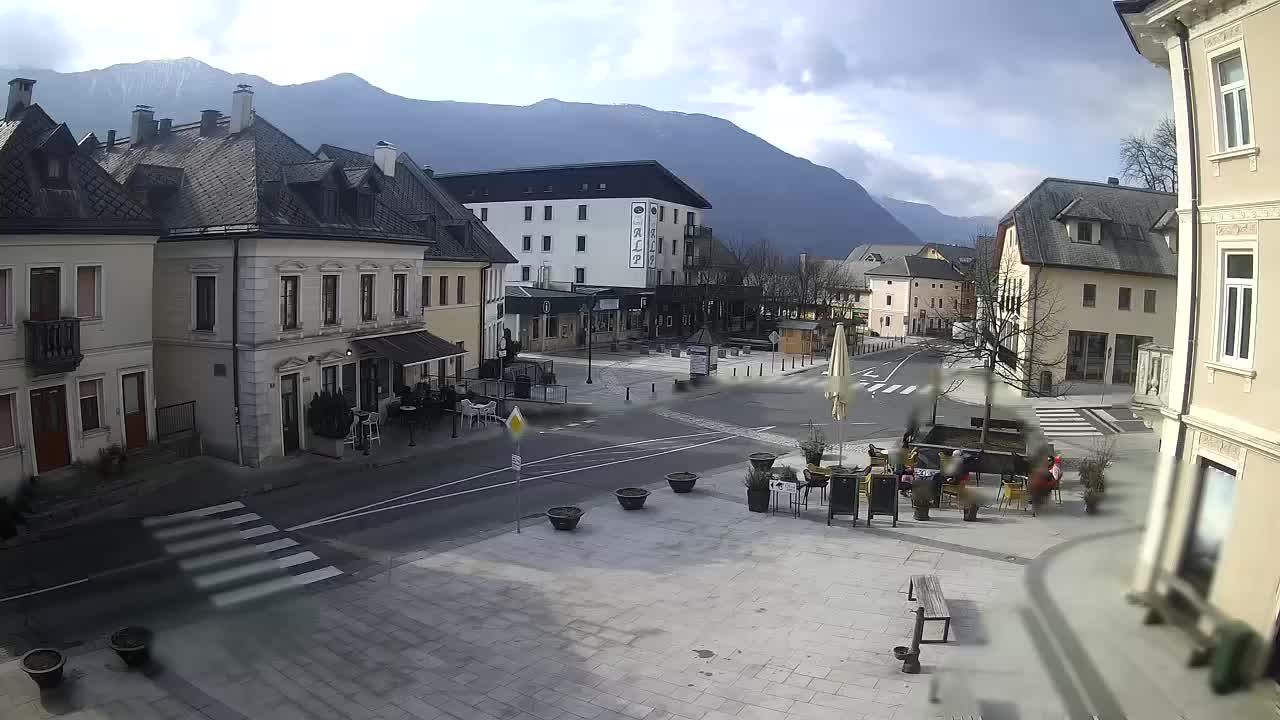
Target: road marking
242,519
353,515
258,531
194,528
892,388
909,389
200,562
45,590
297,559
875,387
273,586
490,472
899,365
202,512
205,543
235,574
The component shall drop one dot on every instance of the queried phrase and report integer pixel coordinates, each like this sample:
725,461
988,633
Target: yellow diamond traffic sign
516,422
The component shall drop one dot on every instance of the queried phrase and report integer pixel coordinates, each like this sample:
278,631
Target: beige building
914,295
281,273
1214,504
75,301
1085,275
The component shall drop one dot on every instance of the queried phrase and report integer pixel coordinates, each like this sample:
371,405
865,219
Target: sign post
516,426
773,338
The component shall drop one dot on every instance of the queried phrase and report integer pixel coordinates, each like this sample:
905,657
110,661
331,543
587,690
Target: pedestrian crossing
807,380
1065,422
234,556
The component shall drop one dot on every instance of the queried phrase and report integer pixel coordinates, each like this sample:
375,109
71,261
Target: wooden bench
994,424
929,592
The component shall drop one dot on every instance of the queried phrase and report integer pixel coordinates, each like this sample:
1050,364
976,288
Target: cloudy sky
964,104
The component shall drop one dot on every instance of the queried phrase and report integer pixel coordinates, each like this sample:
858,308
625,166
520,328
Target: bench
994,424
1161,609
929,592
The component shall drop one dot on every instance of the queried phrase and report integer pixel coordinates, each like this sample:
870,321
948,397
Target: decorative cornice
291,266
1224,36
332,356
290,363
331,266
367,265
402,266
1244,229
1264,211
204,268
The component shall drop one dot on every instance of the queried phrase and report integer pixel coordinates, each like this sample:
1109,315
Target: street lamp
590,309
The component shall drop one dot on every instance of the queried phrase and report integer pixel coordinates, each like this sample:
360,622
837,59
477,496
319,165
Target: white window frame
337,300
580,246
1219,336
526,273
407,304
360,298
100,388
1216,57
579,274
11,398
99,290
6,320
195,303
546,243
297,301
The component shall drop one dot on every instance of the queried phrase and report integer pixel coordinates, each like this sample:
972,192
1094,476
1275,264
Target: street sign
515,461
516,423
774,337
546,307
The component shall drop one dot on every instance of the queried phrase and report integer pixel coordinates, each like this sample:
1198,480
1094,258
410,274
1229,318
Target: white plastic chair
350,439
488,411
469,411
371,428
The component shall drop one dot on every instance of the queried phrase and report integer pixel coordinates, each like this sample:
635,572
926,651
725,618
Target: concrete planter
44,666
133,645
682,482
631,498
565,517
328,447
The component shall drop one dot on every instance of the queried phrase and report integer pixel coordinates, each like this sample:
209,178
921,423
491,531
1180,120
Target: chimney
208,122
804,260
429,171
140,124
241,108
384,156
111,139
19,97
1113,181
166,124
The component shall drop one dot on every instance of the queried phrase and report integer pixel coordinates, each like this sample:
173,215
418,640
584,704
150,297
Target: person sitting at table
1040,483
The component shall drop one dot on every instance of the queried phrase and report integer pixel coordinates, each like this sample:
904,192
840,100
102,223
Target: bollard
748,371
628,393
653,387
761,373
735,372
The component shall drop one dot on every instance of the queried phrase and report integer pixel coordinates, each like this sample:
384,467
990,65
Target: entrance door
289,411
1126,358
49,427
134,389
369,385
46,293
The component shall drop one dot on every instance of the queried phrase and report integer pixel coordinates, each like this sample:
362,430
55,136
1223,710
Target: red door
134,387
49,428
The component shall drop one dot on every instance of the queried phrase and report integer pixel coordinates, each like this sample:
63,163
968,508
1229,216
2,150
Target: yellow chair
1013,491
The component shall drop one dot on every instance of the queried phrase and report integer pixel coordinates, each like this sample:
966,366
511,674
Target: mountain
756,189
932,225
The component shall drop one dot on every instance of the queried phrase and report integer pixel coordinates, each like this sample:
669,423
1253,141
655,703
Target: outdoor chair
371,428
469,412
1013,491
819,479
487,412
350,439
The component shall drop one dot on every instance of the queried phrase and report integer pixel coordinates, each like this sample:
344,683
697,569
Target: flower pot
762,460
970,513
813,458
758,500
682,482
910,660
631,498
565,517
133,645
44,666
921,512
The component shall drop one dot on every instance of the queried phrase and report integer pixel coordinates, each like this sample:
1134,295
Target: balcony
696,232
53,346
1151,386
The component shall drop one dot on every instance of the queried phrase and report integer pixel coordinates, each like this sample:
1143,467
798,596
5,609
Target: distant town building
914,295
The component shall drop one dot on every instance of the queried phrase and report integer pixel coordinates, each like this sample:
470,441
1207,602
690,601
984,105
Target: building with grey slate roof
333,271
915,295
1093,267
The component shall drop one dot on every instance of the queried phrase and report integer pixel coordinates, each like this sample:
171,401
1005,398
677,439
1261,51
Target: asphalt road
348,525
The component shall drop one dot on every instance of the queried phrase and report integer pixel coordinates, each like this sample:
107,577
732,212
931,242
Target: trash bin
523,386
1233,645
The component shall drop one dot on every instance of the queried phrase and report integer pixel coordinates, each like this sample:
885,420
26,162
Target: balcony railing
694,232
1152,379
53,346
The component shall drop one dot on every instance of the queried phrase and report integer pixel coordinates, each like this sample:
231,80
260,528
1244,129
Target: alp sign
639,234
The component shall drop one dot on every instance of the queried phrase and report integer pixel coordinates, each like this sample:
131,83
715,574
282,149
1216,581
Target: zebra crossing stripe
875,387
273,586
908,390
190,514
258,531
892,388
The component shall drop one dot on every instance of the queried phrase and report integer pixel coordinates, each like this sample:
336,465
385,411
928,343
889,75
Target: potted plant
329,417
757,484
814,446
133,645
631,498
921,498
565,517
762,460
111,460
44,666
1093,470
969,503
682,482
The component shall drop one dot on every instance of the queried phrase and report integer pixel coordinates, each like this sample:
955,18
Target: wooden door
49,428
134,401
46,292
289,411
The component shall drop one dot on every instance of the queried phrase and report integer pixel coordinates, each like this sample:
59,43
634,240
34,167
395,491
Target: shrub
756,479
329,416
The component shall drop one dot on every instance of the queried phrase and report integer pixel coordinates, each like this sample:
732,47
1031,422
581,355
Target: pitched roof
1128,244
918,267
885,251
955,254
621,179
1082,209
90,201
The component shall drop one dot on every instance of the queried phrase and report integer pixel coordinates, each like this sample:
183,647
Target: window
8,428
582,243
366,298
329,299
579,275
6,303
205,303
582,212
546,212
329,379
89,292
1215,505
1124,300
931,301
546,243
675,215
1086,356
660,245
689,219
553,325
674,242
524,273
349,383
526,243
444,290
1084,233
1149,301
1233,104
916,299
289,302
398,283
90,417
528,213
548,188
673,277
426,291
462,289
55,169
888,301
1090,295
955,304
537,327
602,186
1236,307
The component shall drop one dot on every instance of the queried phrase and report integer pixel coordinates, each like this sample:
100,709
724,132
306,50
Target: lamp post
591,311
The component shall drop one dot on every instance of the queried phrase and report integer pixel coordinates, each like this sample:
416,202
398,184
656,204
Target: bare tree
1012,329
1152,160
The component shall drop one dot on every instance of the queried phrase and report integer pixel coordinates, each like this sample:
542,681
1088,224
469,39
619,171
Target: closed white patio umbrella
838,390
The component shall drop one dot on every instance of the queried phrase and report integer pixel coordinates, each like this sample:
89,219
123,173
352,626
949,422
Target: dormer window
56,168
329,203
364,206
1084,232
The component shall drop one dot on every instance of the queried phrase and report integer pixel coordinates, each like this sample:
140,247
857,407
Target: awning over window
414,348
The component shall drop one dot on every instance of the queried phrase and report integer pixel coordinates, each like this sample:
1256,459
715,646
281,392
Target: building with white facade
75,301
